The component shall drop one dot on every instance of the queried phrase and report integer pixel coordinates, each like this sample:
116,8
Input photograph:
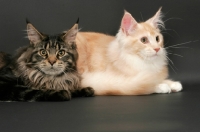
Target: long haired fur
45,70
132,63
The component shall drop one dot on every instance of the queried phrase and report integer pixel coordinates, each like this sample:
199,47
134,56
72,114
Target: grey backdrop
54,16
164,112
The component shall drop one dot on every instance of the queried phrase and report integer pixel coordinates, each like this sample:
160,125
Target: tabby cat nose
52,62
157,49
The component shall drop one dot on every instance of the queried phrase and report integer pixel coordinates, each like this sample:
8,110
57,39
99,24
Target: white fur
168,87
133,67
134,71
109,81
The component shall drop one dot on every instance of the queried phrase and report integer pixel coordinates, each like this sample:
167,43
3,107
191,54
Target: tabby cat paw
87,92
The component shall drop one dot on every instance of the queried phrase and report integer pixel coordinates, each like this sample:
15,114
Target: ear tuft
70,35
34,35
27,21
156,20
128,23
77,21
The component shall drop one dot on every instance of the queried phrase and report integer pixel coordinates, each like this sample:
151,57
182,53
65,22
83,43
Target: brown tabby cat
132,63
44,70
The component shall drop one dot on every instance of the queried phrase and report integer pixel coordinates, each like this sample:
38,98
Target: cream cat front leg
168,86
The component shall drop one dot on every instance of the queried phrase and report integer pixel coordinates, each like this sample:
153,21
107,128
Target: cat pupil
157,39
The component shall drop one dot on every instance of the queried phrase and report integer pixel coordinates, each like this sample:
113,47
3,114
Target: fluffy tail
20,93
12,89
9,91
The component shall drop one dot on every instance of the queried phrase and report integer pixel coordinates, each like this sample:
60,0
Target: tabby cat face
52,55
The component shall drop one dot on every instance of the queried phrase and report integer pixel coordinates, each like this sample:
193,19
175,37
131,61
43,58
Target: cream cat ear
156,20
128,23
70,35
34,35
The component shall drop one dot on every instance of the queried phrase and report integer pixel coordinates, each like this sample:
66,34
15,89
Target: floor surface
152,113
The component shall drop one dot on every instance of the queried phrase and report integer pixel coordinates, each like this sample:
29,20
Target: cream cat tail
132,63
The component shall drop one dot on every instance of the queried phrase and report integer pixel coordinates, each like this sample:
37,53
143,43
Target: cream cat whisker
173,31
167,34
172,64
181,44
173,69
141,16
173,18
175,54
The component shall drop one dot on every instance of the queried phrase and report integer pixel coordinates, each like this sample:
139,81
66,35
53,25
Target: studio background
182,20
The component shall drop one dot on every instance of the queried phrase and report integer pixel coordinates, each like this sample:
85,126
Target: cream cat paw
163,88
169,86
176,86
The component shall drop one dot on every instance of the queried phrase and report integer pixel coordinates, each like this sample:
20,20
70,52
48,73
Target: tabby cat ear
128,23
34,35
70,35
156,20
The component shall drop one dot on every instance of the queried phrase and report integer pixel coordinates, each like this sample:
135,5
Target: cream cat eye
157,38
144,40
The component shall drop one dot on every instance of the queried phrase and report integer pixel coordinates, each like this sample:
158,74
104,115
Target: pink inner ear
128,23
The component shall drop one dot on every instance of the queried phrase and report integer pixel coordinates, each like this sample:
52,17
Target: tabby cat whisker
180,48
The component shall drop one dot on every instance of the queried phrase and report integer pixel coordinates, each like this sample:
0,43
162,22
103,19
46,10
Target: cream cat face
143,39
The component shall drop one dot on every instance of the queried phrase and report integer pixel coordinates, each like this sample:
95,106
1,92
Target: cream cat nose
157,49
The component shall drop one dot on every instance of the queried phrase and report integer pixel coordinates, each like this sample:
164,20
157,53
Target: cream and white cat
132,63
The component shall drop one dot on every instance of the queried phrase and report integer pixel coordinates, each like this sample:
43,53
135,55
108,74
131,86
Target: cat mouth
152,57
52,71
155,55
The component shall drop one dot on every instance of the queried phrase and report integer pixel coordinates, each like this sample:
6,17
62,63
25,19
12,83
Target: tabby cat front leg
49,95
83,92
168,86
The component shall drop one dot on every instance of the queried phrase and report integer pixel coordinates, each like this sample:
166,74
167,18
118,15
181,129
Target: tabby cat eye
144,40
43,52
61,53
